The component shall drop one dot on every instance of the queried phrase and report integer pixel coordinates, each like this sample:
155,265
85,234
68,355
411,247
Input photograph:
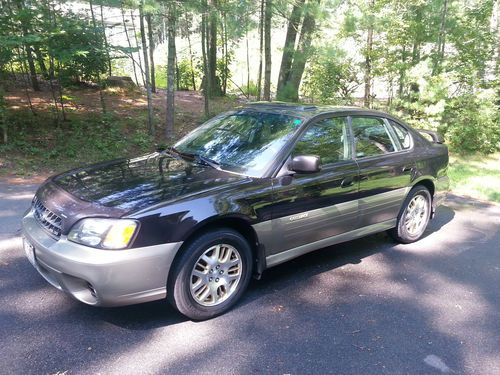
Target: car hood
133,184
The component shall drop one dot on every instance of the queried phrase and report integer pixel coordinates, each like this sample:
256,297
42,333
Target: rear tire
414,216
211,274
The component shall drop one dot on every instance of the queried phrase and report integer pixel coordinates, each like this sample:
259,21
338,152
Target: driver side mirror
305,164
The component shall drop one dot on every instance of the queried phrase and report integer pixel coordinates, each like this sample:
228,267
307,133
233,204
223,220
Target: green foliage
471,123
223,71
185,75
475,175
161,76
251,89
65,40
77,48
435,63
84,139
332,77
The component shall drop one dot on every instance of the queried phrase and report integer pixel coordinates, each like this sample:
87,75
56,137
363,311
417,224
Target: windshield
244,142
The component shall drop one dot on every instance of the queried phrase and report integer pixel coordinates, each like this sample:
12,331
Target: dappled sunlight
9,244
418,278
190,341
369,302
17,197
460,310
7,213
29,305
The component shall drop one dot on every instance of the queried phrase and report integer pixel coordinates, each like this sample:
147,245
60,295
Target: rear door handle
407,168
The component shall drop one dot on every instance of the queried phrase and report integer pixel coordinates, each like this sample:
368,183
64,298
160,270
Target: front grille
47,219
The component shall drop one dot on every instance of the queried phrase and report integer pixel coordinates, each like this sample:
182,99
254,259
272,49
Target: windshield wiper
200,159
207,161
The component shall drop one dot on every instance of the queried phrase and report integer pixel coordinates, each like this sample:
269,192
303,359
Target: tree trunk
3,118
61,96
32,69
191,64
39,59
261,48
205,82
151,52
267,50
368,67
170,72
402,71
98,76
177,73
289,47
129,43
291,88
226,56
151,127
215,89
441,42
248,62
105,41
26,84
415,53
52,20
368,62
143,75
29,54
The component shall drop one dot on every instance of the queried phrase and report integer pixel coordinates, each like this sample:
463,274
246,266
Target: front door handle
346,182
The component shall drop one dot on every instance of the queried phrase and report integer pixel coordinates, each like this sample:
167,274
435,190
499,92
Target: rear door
311,207
385,168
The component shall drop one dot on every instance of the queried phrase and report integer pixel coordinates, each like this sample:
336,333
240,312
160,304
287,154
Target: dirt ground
128,106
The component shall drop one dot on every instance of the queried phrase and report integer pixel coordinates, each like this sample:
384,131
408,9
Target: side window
327,139
402,134
371,137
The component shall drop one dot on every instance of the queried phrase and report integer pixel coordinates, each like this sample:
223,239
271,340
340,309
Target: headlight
104,233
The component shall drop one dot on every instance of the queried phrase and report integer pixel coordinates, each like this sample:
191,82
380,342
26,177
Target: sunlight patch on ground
477,176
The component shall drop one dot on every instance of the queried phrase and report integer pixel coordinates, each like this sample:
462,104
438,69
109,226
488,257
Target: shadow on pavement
369,306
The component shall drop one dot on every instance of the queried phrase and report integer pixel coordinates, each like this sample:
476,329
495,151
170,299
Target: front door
311,207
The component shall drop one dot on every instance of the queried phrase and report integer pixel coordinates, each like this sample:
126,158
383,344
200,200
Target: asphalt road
365,307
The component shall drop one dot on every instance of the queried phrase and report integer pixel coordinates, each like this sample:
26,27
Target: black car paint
173,198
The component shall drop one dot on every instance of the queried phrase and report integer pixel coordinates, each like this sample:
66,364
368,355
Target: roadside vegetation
88,136
71,93
476,176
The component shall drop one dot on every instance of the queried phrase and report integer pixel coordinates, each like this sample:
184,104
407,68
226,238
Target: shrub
332,77
471,123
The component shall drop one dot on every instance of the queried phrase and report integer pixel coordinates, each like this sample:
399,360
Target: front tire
414,216
211,274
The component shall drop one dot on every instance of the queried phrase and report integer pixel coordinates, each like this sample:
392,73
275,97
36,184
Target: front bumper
99,277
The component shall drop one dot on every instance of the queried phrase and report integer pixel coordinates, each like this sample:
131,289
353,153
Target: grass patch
477,176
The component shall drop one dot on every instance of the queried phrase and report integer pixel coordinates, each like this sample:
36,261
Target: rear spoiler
436,137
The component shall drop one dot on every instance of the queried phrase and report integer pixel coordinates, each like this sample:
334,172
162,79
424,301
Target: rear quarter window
402,135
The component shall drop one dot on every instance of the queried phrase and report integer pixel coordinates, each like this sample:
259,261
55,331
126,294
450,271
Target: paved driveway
364,307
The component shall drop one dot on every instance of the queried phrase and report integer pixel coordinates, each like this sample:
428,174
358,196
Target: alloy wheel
416,215
216,275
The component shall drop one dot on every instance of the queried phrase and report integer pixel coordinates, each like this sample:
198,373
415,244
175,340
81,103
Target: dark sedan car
245,191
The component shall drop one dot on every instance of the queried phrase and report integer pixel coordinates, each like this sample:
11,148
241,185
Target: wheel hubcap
416,215
216,275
